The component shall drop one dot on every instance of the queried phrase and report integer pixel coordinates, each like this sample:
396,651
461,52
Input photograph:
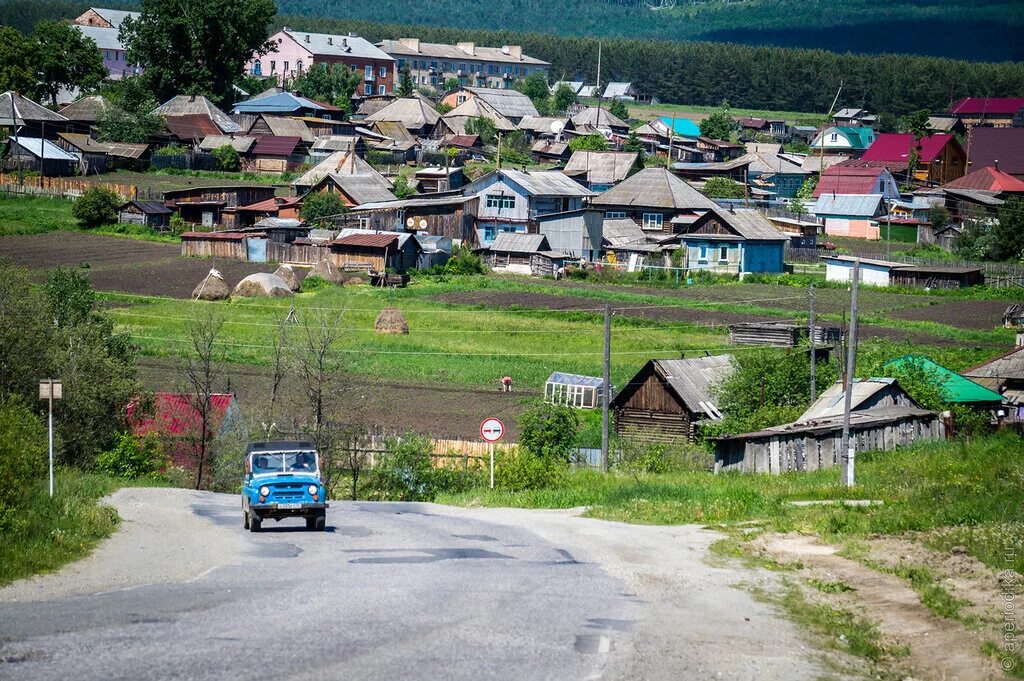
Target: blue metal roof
575,379
682,126
281,102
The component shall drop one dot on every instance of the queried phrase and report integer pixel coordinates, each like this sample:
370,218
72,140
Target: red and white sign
492,430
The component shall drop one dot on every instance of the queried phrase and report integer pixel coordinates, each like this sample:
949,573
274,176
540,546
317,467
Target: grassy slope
958,493
39,214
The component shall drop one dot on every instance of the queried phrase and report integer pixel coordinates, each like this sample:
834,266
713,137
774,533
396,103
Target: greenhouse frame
574,390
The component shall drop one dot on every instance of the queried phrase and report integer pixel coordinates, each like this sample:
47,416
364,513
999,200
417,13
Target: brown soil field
545,301
441,410
966,314
122,265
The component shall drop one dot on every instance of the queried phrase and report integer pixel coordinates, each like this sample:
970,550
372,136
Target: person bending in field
506,384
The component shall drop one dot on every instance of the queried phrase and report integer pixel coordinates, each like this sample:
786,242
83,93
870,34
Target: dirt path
939,649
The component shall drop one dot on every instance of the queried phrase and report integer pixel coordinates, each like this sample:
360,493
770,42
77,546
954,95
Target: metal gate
256,250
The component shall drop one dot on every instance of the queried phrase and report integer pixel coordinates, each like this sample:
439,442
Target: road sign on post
492,430
50,390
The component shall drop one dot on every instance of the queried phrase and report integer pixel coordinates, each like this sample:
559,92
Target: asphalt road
392,591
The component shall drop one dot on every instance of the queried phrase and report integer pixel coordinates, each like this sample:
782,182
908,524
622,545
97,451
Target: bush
464,261
548,431
314,282
405,472
97,206
660,457
23,453
131,458
517,470
227,158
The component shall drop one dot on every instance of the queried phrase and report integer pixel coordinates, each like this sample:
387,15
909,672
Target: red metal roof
756,123
1002,147
371,240
842,179
191,126
896,147
271,145
465,141
1006,106
273,204
988,179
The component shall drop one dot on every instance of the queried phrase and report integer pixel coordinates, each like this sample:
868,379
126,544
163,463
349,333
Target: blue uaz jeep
282,480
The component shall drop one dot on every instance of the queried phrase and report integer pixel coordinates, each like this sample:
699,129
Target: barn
668,398
377,251
149,213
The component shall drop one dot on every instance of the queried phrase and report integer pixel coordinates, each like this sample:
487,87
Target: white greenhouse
573,390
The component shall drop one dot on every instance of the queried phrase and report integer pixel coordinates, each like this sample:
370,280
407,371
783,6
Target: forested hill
977,30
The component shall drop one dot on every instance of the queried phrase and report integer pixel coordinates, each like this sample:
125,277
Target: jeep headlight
264,491
313,490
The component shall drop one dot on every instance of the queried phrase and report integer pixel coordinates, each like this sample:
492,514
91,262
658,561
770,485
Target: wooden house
1004,374
734,242
215,205
668,398
274,154
652,198
37,154
576,233
357,249
453,217
274,207
599,171
717,151
149,213
941,159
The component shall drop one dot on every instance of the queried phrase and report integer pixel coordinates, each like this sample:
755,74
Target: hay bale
355,281
391,320
288,276
262,284
328,271
212,287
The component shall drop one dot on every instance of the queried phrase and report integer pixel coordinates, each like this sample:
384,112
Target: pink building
103,25
297,51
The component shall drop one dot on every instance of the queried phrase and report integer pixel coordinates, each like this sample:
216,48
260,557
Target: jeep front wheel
254,523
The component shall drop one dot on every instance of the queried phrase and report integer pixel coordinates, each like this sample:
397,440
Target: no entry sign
492,430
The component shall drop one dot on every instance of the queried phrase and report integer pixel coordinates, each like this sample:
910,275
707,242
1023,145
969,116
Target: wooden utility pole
606,397
814,352
847,450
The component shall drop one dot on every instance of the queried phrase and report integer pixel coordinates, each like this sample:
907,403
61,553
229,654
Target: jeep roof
280,446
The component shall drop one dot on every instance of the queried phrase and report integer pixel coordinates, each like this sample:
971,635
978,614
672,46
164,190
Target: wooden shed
452,217
215,205
782,334
377,251
668,397
233,245
929,276
149,213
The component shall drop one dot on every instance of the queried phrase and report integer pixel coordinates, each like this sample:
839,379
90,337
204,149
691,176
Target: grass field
20,215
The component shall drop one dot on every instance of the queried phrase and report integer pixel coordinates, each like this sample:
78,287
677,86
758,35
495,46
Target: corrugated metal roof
546,183
655,188
105,38
897,147
576,379
126,150
1005,106
150,207
614,89
622,231
953,386
859,205
682,126
42,148
748,223
988,179
412,112
602,167
281,102
271,145
694,380
241,143
1002,147
369,240
83,142
339,163
187,105
394,130
336,143
454,52
517,242
338,45
401,236
509,103
858,419
191,126
540,124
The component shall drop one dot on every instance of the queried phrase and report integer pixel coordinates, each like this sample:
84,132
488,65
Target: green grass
1010,661
48,533
21,215
968,486
933,595
828,586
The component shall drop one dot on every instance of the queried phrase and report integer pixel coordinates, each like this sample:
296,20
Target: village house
100,157
454,122
431,64
275,207
103,26
528,254
752,127
883,417
734,242
434,179
668,399
547,151
512,200
40,155
451,217
941,159
20,115
86,111
850,214
597,119
210,206
599,171
849,141
542,127
989,179
287,104
576,233
623,240
653,198
298,51
196,116
414,114
341,165
153,214
1005,375
262,124
511,104
620,90
852,117
243,144
359,249
273,154
987,111
1000,148
718,151
772,172
855,178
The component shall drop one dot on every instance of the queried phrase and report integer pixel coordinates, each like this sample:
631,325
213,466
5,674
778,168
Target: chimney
352,35
307,37
996,164
412,43
468,48
516,51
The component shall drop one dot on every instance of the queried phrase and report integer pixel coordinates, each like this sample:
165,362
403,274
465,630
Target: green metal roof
954,387
860,138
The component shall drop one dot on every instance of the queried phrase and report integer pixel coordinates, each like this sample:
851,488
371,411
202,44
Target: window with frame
500,201
383,72
368,70
368,89
723,254
614,214
364,222
703,253
257,68
653,221
380,90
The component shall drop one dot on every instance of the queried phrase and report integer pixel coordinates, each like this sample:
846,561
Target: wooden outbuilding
668,398
231,245
149,213
781,334
356,249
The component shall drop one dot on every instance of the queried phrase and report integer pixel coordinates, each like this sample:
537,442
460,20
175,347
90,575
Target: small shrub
171,150
131,458
549,431
22,452
661,457
314,283
518,470
178,224
97,206
227,158
405,472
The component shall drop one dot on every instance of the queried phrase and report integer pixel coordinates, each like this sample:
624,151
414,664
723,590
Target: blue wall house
512,200
734,242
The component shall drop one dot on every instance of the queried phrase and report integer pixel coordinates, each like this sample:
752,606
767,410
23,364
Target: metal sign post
492,430
50,390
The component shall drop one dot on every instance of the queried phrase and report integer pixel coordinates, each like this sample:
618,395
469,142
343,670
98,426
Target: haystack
328,271
391,320
288,276
212,287
355,281
262,284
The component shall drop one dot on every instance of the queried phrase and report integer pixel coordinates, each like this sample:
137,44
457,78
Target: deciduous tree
718,126
17,61
618,108
65,59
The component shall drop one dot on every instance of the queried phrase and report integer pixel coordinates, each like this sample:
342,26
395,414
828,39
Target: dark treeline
750,77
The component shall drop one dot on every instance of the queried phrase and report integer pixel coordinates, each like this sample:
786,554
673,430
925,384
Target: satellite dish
410,222
423,223
557,126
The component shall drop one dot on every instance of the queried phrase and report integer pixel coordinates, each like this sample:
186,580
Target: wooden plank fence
62,187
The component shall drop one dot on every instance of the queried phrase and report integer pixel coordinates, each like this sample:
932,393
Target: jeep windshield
284,462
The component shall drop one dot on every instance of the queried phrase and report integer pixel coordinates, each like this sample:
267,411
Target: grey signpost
51,389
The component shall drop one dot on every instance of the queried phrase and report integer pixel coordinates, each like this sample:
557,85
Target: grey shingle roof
242,144
364,188
596,117
338,45
186,105
602,167
411,112
509,103
338,163
1010,365
86,109
655,188
863,205
748,223
16,110
514,242
476,107
454,52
